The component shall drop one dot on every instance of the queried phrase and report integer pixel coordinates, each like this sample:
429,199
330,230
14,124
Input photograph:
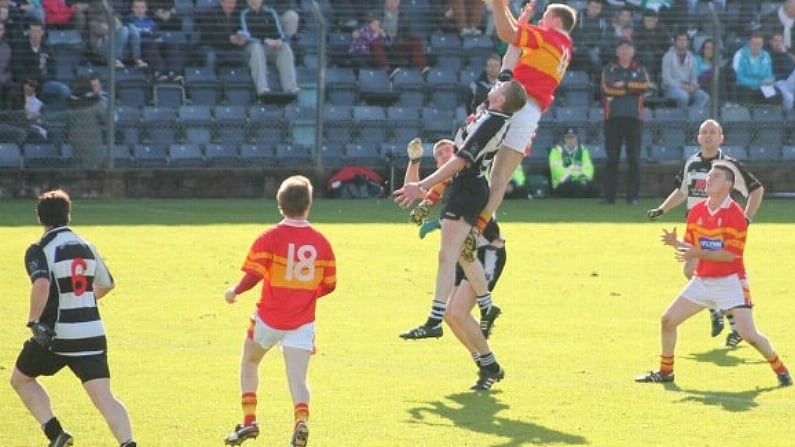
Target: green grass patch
582,293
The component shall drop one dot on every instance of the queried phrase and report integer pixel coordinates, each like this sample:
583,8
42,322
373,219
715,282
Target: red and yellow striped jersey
725,229
297,266
546,53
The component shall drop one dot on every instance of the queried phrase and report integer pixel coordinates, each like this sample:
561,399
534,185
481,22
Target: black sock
129,443
484,303
52,428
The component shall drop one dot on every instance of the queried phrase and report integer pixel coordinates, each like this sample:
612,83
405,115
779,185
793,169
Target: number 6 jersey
72,266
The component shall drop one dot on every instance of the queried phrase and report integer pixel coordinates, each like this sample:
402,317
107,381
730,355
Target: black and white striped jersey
477,142
73,267
692,179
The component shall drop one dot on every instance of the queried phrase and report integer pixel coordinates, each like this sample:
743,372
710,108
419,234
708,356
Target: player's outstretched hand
42,334
669,238
406,195
654,213
230,296
415,150
421,212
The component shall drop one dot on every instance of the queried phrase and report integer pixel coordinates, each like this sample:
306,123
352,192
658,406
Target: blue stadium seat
571,117
598,152
669,126
788,153
736,122
10,156
267,124
160,124
736,151
41,155
445,50
411,85
369,123
238,87
665,154
256,155
476,50
338,124
128,125
769,126
436,123
221,155
375,87
364,154
341,88
168,94
404,123
230,124
132,87
188,155
122,157
333,156
444,91
147,156
293,156
196,123
769,154
202,86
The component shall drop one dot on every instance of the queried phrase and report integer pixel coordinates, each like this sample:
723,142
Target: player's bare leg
477,279
37,401
249,382
296,363
747,329
111,408
677,312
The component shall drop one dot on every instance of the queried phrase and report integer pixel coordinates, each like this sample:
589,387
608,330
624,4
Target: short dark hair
53,208
294,196
726,170
515,97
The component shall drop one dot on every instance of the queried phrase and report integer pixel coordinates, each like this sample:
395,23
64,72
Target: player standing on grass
715,238
297,266
691,181
468,193
68,276
491,253
545,54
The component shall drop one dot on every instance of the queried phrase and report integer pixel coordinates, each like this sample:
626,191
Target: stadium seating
364,154
444,90
158,123
122,157
169,94
238,87
333,156
221,154
411,85
404,123
661,153
128,125
147,156
445,50
338,124
771,154
669,126
736,122
369,124
266,124
769,126
738,152
293,156
41,155
230,124
196,123
375,87
255,155
436,123
788,153
10,156
341,88
188,155
202,86
132,87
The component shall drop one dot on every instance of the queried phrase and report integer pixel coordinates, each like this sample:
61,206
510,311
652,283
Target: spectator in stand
262,28
87,118
221,43
783,70
624,84
403,45
32,62
350,13
781,20
679,76
162,59
6,80
60,15
479,88
287,10
14,21
173,45
570,168
468,16
652,40
367,46
754,70
623,27
704,70
588,37
32,10
99,30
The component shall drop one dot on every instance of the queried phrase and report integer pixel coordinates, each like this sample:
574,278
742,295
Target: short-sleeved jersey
692,179
477,142
546,53
72,266
724,229
297,266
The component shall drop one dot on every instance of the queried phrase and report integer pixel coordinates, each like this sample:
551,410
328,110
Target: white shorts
302,337
723,293
523,125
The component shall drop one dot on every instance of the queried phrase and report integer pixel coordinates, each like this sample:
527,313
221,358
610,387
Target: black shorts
493,260
468,196
36,361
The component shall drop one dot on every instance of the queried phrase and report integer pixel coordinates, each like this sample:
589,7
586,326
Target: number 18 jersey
297,266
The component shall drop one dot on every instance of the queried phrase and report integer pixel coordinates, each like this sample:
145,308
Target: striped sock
437,314
301,412
777,365
732,323
484,302
249,403
666,364
476,358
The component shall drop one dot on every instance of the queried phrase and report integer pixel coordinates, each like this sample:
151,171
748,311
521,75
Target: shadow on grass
719,357
727,400
478,412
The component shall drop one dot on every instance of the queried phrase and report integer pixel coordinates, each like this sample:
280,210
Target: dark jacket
216,27
262,24
27,64
625,101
